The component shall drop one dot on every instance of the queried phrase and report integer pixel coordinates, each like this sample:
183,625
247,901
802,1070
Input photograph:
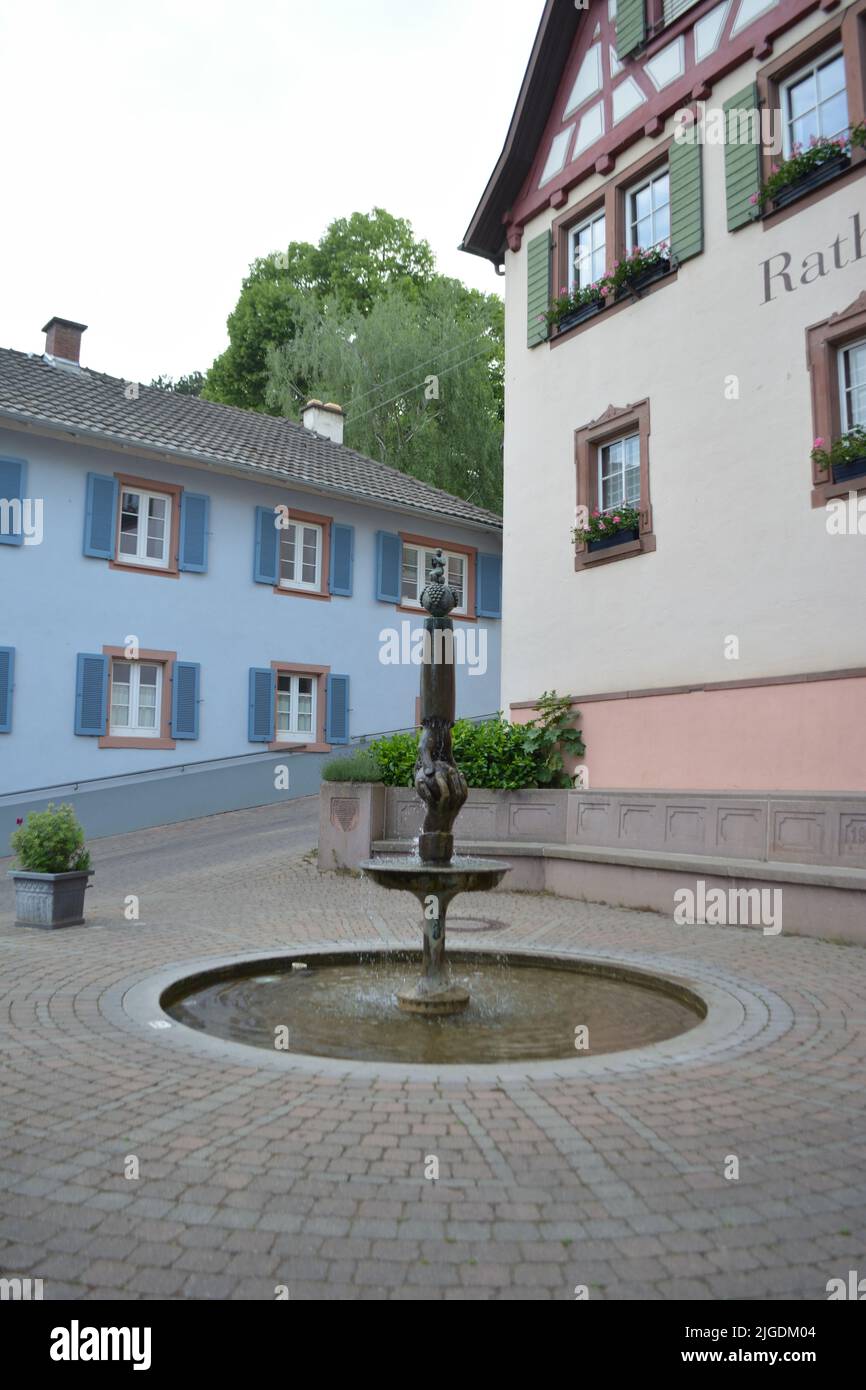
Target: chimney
324,419
63,339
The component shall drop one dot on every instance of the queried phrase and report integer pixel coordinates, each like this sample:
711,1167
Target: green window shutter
742,156
630,26
687,200
538,289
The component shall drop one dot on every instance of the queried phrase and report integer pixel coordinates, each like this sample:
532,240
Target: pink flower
754,198
19,821
605,291
564,290
819,444
616,265
596,512
774,168
617,518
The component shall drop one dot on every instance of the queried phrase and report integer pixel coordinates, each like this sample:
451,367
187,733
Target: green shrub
495,754
51,842
355,767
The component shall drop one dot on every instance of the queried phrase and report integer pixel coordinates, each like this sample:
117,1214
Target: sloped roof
37,392
486,233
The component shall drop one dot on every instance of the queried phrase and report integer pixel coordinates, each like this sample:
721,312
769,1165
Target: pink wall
806,736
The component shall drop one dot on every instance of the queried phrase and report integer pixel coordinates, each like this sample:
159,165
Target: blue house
201,602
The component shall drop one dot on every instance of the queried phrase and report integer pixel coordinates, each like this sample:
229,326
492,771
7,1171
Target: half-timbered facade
680,210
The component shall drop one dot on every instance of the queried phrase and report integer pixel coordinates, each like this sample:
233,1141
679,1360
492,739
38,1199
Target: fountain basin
523,1007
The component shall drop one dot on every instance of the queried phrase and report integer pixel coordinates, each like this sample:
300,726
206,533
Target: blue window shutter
337,717
194,517
261,723
266,566
91,695
389,566
342,557
489,604
7,672
13,482
100,517
184,699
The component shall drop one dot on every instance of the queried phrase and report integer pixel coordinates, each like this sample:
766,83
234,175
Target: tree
189,385
355,261
418,372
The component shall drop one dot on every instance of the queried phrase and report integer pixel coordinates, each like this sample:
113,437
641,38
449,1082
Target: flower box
815,178
586,311
629,533
639,282
854,468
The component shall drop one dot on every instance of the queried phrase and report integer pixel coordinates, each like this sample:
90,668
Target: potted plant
806,169
54,868
606,529
846,457
574,306
640,268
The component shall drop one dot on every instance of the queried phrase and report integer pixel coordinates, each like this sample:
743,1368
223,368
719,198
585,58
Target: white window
136,699
586,253
619,474
648,212
145,528
301,555
416,572
296,708
852,385
814,103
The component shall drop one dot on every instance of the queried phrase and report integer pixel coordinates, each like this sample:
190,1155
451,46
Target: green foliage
849,446
355,767
355,260
495,754
419,376
51,842
600,525
396,757
190,385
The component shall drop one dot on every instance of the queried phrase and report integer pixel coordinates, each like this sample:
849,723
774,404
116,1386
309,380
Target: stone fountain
435,876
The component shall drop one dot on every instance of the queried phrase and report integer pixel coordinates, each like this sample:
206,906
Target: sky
150,151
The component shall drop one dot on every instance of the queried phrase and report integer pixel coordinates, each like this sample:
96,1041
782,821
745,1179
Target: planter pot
855,468
816,177
49,900
586,311
618,538
351,817
646,277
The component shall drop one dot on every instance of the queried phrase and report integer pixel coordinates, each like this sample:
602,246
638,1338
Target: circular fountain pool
522,1007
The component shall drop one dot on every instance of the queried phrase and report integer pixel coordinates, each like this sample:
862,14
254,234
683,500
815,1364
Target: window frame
599,454
466,613
845,31
315,741
299,527
294,734
165,660
824,341
617,422
135,729
845,422
630,192
149,487
818,60
324,524
599,215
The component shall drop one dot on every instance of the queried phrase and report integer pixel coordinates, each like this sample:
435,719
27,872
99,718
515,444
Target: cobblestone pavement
253,1177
